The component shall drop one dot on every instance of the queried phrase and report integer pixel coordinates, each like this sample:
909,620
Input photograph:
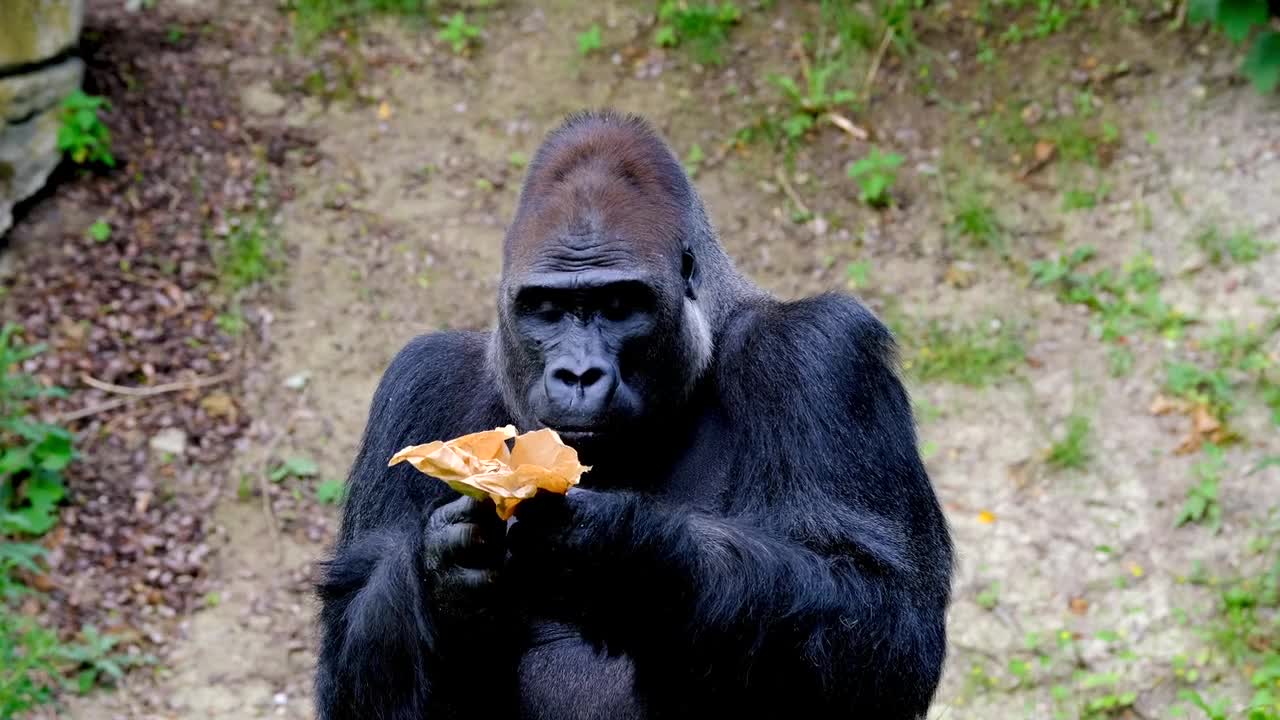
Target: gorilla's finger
472,578
545,507
464,509
467,544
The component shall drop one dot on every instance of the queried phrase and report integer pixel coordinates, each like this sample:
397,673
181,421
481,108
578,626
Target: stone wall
36,73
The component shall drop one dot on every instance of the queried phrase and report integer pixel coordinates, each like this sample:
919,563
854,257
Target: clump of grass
971,355
1071,452
317,17
701,27
973,217
1240,246
1126,300
876,173
250,251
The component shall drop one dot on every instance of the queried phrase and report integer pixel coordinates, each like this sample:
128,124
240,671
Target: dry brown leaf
480,465
1045,150
1079,605
1204,422
1163,406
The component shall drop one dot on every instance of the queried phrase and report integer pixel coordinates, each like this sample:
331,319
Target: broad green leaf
1199,11
1239,17
330,491
1262,66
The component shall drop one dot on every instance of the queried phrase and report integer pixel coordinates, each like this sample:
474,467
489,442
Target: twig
155,389
847,125
875,65
791,192
91,410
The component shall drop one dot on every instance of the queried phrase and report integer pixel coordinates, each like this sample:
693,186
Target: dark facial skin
590,328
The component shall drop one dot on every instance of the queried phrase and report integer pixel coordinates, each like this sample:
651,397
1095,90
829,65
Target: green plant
1125,300
702,27
34,664
458,32
1202,505
971,355
811,101
83,135
876,173
1240,246
1120,361
295,466
857,274
1084,198
100,230
316,17
590,40
1072,451
330,492
693,161
33,454
973,217
989,598
250,251
1240,19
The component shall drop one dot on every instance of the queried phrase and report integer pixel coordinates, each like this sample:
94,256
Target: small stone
961,275
297,381
170,440
219,404
259,99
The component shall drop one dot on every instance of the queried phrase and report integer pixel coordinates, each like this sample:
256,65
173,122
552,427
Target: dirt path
396,230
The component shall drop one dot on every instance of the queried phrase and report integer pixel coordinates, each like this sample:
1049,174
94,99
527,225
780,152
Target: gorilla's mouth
572,435
576,434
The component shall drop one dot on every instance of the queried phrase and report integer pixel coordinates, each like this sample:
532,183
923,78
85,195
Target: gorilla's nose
580,390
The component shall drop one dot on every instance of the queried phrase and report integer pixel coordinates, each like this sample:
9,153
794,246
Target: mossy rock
32,31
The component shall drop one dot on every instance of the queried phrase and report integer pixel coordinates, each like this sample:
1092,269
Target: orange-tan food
480,465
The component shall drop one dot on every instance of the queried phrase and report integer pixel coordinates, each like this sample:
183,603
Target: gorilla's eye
616,308
548,312
687,266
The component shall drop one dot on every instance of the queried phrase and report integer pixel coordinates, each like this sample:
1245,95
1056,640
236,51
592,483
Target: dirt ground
393,225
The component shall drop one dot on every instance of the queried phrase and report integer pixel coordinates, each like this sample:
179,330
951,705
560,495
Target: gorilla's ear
689,271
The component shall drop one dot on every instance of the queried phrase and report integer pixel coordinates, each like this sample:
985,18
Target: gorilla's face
600,334
603,351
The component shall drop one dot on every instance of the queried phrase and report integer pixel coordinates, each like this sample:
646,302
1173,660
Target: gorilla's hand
560,539
462,550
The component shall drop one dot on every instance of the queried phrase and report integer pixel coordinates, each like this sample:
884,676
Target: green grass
1071,452
1202,506
251,251
701,27
971,355
1242,634
317,17
34,663
973,217
1240,246
1125,301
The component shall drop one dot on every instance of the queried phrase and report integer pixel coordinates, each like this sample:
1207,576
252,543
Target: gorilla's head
613,285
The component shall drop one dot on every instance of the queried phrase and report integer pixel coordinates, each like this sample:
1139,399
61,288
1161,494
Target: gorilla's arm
829,582
382,650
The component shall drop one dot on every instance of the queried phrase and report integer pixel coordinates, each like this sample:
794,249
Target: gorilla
757,532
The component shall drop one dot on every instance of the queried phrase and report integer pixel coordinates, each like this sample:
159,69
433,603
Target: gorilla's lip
576,432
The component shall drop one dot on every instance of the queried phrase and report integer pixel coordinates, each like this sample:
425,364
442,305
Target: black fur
780,548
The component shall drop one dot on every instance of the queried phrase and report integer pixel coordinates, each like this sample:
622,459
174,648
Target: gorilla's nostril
584,380
565,377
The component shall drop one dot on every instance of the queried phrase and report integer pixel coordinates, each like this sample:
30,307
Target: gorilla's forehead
601,193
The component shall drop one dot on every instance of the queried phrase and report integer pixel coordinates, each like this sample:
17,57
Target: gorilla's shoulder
815,336
439,378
